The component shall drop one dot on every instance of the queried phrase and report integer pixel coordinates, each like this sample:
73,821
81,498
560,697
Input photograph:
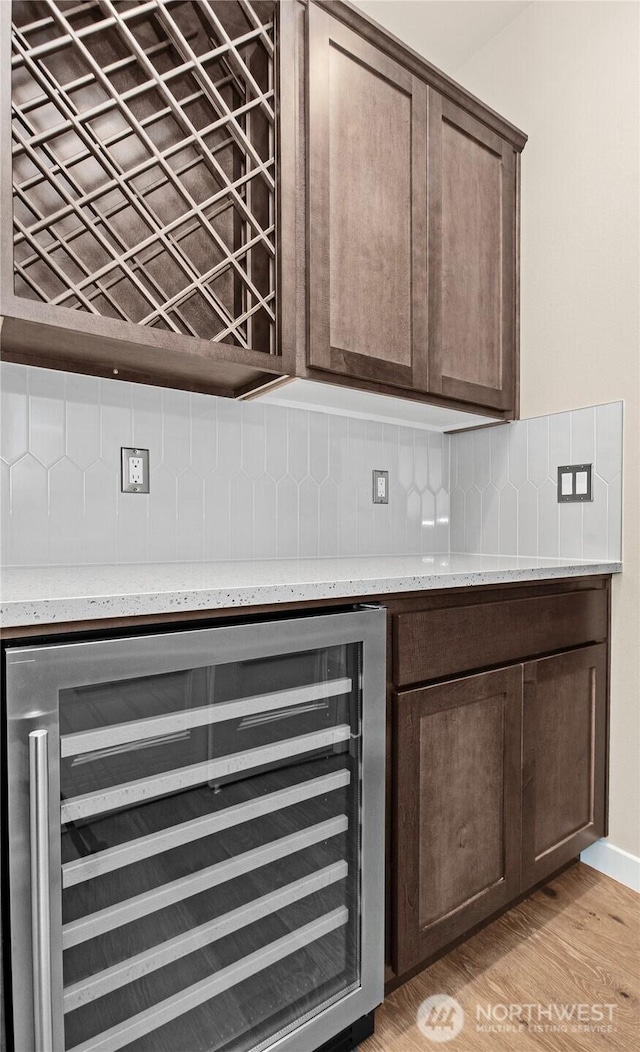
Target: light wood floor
576,941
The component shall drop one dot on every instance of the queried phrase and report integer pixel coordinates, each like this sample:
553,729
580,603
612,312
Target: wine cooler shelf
208,886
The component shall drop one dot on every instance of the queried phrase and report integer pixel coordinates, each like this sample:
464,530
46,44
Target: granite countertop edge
69,594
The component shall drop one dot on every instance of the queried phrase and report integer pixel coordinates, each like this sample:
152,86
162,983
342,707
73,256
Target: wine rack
144,163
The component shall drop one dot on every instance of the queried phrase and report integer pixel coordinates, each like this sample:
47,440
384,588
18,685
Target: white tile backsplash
318,447
522,459
538,450
473,519
548,519
265,541
508,526
233,480
527,518
308,519
518,453
614,513
490,539
499,456
28,535
570,531
82,421
14,425
229,480
328,519
443,514
47,431
595,519
217,516
481,457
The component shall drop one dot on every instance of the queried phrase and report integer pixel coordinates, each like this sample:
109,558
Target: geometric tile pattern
144,163
244,480
504,479
229,480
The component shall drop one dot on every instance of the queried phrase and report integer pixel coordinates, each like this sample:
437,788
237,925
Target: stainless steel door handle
40,904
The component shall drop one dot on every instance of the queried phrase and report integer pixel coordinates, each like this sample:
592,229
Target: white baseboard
614,862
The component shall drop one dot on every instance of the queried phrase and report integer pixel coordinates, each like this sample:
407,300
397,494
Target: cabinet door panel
381,149
457,808
469,741
367,216
564,791
471,258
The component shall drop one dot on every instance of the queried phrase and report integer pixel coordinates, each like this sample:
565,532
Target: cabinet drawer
440,642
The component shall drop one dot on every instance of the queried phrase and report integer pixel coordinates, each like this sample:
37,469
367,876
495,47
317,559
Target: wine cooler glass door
207,848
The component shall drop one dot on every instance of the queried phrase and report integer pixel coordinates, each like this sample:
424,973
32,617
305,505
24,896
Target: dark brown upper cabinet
139,186
367,162
412,262
213,196
472,259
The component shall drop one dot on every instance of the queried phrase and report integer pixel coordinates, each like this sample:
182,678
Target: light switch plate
135,470
380,487
575,483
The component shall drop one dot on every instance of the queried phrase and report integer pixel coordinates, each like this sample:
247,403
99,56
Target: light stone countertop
57,594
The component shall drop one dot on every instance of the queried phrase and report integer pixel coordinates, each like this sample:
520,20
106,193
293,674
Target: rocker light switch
574,483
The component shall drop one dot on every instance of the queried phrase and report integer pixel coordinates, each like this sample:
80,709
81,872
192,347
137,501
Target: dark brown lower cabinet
498,758
564,758
458,814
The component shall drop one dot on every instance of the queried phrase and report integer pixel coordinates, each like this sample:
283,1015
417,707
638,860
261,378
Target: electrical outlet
380,487
135,470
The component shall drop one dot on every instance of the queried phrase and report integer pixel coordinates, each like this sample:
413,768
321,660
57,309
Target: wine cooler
196,836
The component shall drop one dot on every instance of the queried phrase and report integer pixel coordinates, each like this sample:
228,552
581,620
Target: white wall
567,73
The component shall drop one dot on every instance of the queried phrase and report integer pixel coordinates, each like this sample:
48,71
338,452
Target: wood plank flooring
574,942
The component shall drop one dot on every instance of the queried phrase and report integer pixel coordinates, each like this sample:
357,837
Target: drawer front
441,642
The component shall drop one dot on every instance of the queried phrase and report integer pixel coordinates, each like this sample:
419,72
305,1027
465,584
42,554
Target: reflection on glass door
210,844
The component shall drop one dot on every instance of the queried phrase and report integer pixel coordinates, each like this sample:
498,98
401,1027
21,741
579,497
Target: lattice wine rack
144,163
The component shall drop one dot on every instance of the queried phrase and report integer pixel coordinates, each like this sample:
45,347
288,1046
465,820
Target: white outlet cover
134,476
136,471
380,487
